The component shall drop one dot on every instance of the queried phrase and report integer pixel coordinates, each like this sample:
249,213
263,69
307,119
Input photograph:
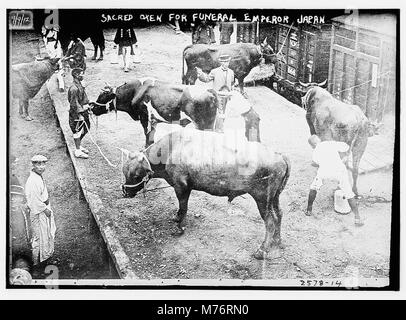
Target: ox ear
132,155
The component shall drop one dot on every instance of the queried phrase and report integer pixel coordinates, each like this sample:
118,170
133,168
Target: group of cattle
263,176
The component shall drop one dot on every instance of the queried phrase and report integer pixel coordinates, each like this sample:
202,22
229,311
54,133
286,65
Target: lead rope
101,152
361,84
284,41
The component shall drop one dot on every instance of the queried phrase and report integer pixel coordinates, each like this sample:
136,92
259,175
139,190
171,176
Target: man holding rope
79,121
223,81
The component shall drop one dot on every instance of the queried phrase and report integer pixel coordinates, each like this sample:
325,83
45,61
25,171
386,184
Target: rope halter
107,104
144,180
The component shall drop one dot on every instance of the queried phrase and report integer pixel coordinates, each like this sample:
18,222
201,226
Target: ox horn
322,84
107,84
265,41
306,85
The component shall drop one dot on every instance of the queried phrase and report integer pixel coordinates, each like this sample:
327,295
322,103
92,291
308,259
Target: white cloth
234,122
331,167
326,155
43,227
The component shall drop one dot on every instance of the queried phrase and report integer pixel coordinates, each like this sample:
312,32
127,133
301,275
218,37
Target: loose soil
219,240
80,252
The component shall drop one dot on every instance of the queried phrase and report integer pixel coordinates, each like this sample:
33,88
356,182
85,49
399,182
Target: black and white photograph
188,148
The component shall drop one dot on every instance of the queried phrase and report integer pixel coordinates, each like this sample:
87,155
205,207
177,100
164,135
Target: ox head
268,53
103,101
137,172
306,88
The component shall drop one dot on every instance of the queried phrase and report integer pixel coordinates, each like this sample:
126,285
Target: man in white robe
42,217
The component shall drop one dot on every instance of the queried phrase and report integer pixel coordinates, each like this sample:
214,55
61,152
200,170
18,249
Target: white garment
326,155
43,227
331,167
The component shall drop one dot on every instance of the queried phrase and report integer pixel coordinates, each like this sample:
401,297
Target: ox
331,119
83,25
244,57
168,100
28,78
199,160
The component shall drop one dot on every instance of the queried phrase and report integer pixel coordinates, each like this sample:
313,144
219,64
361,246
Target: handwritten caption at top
213,17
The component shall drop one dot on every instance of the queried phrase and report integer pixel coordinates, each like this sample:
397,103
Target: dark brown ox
167,99
331,119
28,78
244,57
199,160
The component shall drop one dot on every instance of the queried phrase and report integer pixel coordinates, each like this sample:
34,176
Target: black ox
84,25
244,57
167,99
205,161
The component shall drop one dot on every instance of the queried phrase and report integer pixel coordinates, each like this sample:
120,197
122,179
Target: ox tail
213,109
286,177
309,120
183,63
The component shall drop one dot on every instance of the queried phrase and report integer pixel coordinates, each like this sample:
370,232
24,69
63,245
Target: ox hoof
279,245
308,213
28,118
358,223
94,58
175,218
100,58
358,196
179,232
260,254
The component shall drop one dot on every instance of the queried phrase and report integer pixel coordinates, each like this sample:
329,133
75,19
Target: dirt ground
80,252
219,242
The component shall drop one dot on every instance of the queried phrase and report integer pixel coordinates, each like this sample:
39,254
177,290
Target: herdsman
203,34
79,121
326,155
41,214
76,52
54,49
223,80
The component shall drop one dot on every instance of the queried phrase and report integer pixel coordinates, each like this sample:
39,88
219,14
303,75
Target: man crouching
326,156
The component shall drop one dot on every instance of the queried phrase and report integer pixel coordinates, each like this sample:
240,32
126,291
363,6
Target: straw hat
224,58
39,158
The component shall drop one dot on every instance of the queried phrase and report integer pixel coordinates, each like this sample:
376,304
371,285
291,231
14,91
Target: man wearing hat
223,81
326,156
41,215
79,121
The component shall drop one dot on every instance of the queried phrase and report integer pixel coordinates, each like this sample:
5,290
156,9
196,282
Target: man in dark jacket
76,53
126,40
203,34
79,121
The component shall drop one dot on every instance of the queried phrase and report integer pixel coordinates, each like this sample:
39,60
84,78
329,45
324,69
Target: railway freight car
363,63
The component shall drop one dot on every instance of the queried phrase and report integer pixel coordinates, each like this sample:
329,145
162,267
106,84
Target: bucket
341,203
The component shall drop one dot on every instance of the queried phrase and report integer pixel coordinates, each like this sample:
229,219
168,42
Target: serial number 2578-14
320,283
